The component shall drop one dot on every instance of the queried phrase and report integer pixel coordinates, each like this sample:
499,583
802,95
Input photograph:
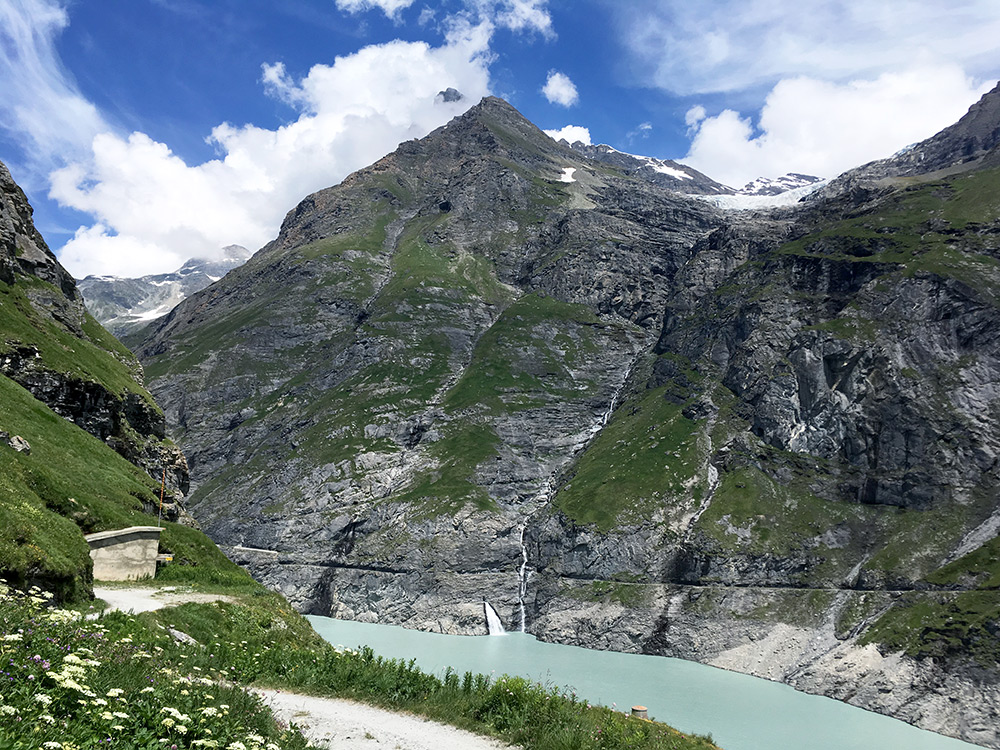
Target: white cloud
559,89
524,15
152,209
727,45
822,128
39,104
695,115
391,8
570,134
517,15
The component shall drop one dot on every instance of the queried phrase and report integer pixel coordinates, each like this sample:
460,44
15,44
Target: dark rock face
23,251
43,317
707,433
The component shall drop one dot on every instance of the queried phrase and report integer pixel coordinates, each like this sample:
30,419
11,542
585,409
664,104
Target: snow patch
567,175
662,168
157,312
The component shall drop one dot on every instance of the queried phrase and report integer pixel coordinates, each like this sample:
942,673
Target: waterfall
606,417
522,578
493,623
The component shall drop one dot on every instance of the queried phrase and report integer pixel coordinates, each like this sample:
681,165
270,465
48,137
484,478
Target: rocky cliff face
488,366
52,347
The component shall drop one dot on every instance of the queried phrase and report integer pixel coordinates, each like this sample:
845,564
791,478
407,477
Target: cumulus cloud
152,209
570,134
728,45
516,15
695,115
391,8
40,106
559,89
524,15
822,128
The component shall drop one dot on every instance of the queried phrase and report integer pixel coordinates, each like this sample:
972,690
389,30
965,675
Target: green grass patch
527,357
942,625
460,454
620,592
753,512
75,683
978,569
70,484
96,356
929,228
647,454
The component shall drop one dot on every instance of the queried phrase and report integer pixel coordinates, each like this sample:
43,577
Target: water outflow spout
522,578
493,624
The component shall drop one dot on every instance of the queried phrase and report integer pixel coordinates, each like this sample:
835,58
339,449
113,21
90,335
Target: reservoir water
740,712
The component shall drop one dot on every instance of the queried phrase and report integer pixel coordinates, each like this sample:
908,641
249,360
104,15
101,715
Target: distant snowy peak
122,305
776,186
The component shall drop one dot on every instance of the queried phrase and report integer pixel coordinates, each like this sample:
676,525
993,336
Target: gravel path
346,725
140,599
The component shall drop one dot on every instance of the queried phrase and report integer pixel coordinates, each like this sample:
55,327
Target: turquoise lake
740,712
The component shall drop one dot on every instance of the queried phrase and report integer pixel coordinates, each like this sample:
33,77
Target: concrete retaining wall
124,554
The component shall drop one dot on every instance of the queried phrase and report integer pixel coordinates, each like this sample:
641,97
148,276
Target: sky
147,132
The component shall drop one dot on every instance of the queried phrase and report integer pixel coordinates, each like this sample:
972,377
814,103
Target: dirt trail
137,599
345,725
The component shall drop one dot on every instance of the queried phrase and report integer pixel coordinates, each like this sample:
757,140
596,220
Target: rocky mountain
490,366
124,305
63,376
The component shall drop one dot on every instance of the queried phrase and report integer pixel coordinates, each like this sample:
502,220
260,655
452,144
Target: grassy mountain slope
75,394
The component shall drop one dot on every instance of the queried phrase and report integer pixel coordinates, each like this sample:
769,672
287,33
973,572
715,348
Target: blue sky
149,131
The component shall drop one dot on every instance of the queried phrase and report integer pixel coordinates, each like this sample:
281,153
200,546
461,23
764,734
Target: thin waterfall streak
522,579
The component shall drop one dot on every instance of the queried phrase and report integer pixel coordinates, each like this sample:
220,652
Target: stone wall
124,554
